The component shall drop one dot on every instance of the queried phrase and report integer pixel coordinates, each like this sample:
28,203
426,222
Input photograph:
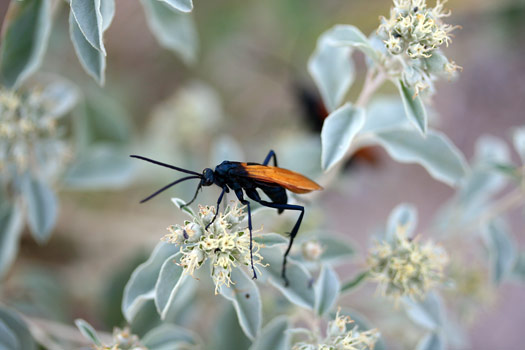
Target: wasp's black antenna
169,185
194,196
167,165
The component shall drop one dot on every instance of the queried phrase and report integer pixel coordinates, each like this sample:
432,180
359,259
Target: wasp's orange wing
288,179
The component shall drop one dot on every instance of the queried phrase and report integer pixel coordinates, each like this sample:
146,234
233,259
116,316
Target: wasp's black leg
217,208
240,196
269,156
294,231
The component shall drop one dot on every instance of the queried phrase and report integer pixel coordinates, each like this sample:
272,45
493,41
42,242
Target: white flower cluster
412,36
123,339
340,338
224,243
27,130
405,267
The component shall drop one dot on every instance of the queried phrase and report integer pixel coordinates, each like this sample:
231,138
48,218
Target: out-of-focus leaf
274,335
518,138
88,16
42,207
59,97
435,152
25,35
10,229
101,167
88,331
501,247
141,286
428,313
354,282
18,328
174,30
519,267
227,334
170,280
383,114
93,61
432,341
270,239
181,5
327,289
246,299
339,130
332,69
180,204
300,291
169,337
414,107
107,9
402,217
8,339
348,35
335,249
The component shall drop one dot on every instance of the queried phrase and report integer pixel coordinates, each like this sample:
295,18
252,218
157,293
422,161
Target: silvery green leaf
270,239
383,114
107,10
225,147
501,248
24,40
348,35
181,205
8,340
404,217
100,167
181,5
339,130
354,282
246,299
227,334
88,16
93,61
332,69
88,331
519,267
171,279
174,30
428,313
169,337
11,221
59,96
435,152
335,249
274,335
300,291
42,207
491,149
326,289
18,328
431,341
414,107
518,138
436,63
141,285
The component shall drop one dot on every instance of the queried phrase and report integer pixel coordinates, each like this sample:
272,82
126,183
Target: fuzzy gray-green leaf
24,41
428,313
174,30
107,9
10,230
88,331
431,341
8,340
274,335
42,207
17,328
348,35
180,5
93,61
169,337
339,130
414,107
332,69
88,17
501,248
246,299
518,139
403,217
170,280
327,289
435,152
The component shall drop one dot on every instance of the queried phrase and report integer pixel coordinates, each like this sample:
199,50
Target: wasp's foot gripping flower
224,243
123,339
405,267
338,337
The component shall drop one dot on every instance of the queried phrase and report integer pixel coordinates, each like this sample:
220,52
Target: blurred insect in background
246,178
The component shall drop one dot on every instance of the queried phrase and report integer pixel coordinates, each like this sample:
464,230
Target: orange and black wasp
247,178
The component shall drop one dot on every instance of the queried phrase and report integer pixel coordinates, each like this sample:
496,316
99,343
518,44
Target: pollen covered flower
339,337
224,243
405,267
123,339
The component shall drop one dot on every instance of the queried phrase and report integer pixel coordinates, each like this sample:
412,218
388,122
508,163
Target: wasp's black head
208,179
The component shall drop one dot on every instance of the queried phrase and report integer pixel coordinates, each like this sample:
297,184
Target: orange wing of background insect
288,179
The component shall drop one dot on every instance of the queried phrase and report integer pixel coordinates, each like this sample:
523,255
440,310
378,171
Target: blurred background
244,95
